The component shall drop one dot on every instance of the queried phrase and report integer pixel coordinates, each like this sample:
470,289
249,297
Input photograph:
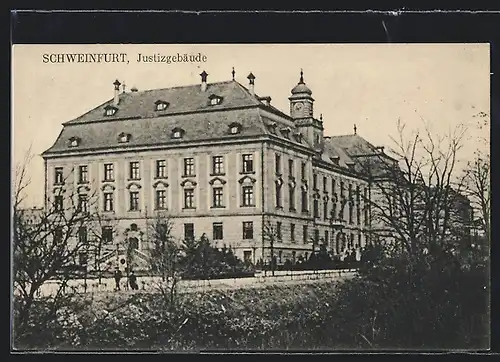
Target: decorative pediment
217,180
58,190
83,189
133,185
247,179
286,131
272,127
335,159
160,183
188,182
108,187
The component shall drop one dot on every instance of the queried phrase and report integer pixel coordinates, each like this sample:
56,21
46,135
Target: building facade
215,159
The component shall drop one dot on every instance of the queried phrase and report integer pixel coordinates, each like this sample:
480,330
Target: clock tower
301,110
301,102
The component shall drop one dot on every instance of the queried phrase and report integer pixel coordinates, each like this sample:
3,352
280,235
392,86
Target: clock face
298,106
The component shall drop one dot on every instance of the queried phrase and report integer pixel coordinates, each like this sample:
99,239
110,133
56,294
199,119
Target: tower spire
233,73
355,128
301,81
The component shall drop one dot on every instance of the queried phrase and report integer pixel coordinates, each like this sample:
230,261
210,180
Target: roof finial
233,73
301,76
355,128
124,86
321,116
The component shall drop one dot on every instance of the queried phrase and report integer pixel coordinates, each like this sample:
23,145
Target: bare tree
476,179
43,249
102,228
270,235
165,255
412,190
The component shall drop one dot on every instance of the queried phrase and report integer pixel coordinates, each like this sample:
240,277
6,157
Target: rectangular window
161,200
247,163
189,166
134,170
218,233
316,208
304,234
134,200
333,187
83,204
290,168
292,232
278,195
350,204
316,236
82,258
217,165
189,231
58,203
315,182
58,176
83,174
291,197
217,197
351,241
304,201
161,168
359,241
247,256
108,172
247,229
325,184
326,237
189,199
278,230
325,209
107,234
248,196
303,171
82,234
277,164
108,201
58,235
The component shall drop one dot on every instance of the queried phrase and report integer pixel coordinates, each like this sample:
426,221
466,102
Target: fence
148,283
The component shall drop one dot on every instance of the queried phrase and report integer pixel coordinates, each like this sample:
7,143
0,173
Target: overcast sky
367,85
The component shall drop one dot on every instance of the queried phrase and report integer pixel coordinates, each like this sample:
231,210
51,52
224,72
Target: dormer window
124,137
177,133
161,105
110,111
235,128
272,127
74,142
286,132
215,100
298,137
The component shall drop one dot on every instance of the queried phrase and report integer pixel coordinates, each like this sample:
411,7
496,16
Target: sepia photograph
250,197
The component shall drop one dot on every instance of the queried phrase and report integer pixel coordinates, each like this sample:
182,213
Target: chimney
203,81
116,100
251,81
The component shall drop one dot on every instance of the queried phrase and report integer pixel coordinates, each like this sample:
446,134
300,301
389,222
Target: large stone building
216,159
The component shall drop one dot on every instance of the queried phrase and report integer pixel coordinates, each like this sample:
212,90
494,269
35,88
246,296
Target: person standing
133,280
118,276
